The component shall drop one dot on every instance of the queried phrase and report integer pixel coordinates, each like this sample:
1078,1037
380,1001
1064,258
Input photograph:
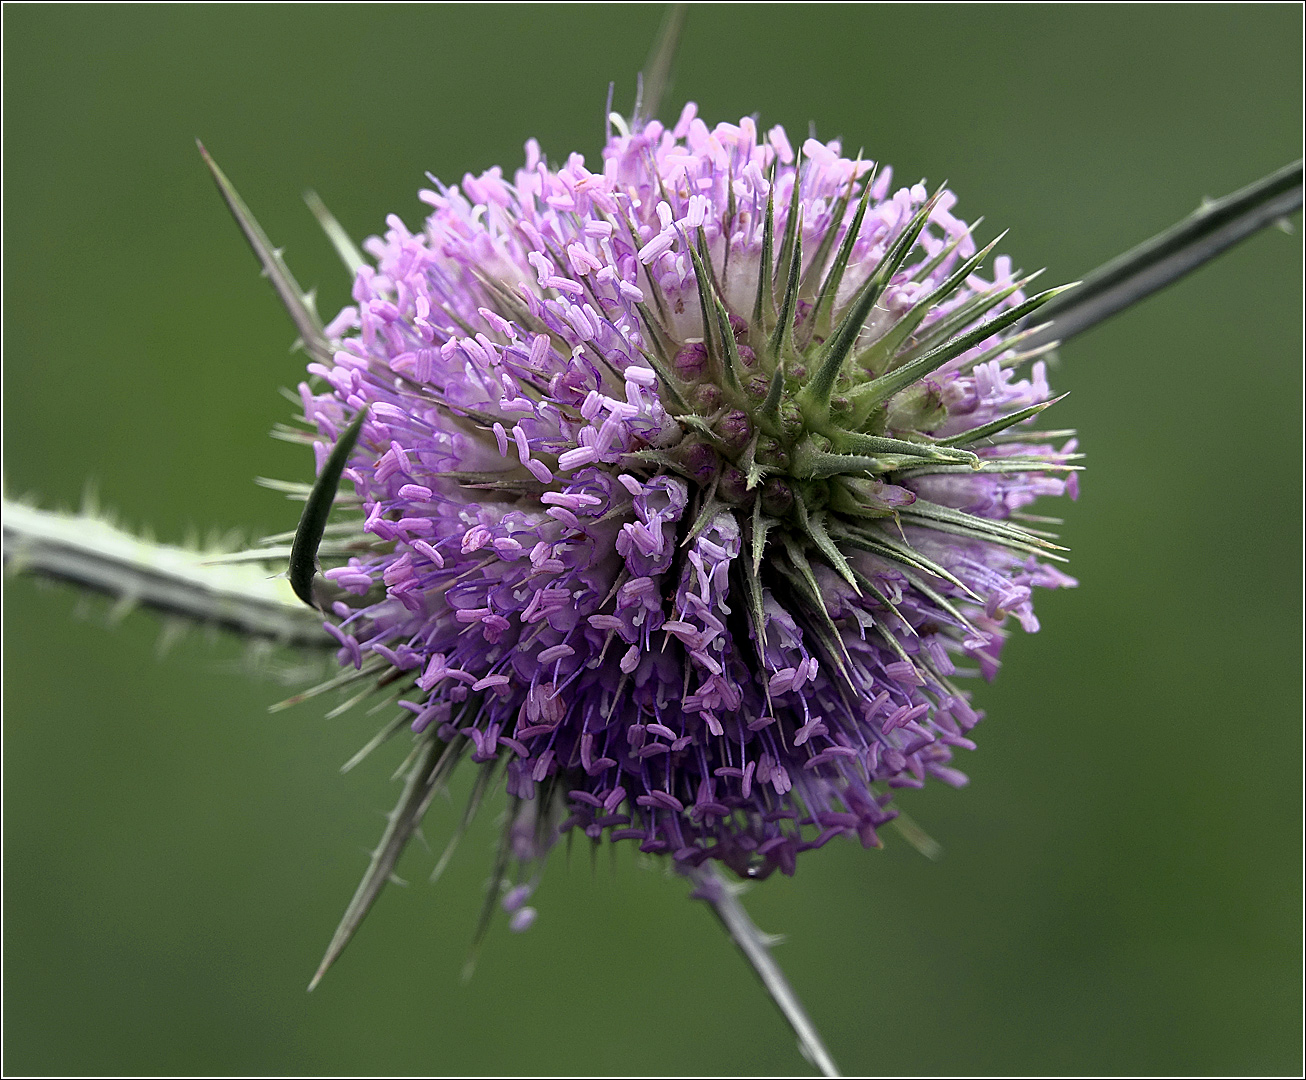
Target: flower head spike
687,483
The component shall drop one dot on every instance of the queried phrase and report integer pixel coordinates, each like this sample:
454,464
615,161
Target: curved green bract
312,524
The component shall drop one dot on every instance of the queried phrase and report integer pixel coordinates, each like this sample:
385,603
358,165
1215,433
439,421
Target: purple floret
556,480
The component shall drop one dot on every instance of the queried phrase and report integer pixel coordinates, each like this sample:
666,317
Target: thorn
764,306
340,240
274,268
782,340
655,77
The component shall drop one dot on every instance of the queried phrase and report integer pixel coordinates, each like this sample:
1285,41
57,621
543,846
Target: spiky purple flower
687,483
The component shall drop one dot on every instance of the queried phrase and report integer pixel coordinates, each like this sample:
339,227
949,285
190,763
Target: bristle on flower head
689,480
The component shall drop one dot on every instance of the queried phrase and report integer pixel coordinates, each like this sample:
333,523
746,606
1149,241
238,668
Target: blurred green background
1120,890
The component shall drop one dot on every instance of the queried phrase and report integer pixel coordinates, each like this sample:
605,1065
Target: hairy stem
89,552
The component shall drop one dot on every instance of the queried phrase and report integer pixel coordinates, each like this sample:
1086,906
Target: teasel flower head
690,484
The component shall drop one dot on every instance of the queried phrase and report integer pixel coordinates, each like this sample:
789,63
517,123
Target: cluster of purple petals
556,622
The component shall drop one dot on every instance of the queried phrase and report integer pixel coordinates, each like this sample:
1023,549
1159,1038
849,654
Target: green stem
709,886
1169,255
92,554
